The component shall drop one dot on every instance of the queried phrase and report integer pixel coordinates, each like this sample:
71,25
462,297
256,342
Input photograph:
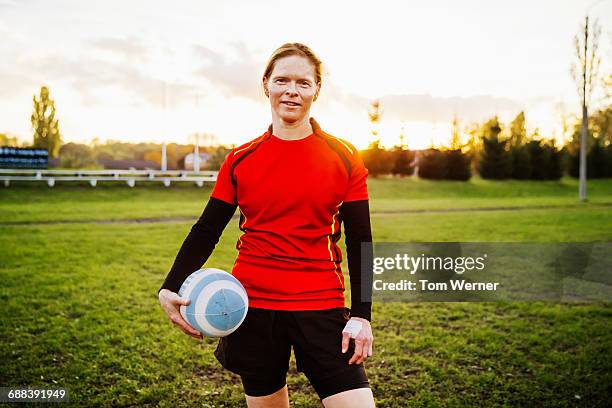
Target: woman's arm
200,242
356,218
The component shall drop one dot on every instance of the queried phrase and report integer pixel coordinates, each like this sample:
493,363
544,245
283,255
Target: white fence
131,177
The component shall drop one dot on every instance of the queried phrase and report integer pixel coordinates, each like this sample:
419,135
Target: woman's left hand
363,341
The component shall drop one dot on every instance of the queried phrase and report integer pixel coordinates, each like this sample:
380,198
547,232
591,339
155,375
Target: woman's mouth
293,104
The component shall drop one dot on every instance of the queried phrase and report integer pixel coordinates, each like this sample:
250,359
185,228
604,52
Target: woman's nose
291,89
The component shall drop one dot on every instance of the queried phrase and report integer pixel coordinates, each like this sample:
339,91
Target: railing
131,177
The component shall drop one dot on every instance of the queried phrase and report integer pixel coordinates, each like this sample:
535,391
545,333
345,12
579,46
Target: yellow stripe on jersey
251,144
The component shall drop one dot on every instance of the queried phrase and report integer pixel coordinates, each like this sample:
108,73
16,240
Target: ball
219,302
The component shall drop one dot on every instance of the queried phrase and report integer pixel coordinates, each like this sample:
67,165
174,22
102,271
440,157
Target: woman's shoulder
248,146
343,144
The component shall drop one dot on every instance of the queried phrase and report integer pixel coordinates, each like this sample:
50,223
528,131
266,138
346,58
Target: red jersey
288,193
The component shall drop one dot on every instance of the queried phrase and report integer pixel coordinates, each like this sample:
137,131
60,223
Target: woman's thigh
259,348
317,340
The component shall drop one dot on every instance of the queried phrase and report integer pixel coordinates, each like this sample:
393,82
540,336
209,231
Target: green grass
70,202
80,310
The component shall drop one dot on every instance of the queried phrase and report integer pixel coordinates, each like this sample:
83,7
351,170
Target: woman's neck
291,131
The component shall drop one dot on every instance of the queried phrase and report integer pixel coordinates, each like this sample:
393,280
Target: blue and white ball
219,302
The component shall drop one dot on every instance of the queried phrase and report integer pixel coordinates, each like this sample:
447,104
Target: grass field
80,305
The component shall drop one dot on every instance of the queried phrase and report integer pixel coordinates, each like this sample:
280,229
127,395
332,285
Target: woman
294,185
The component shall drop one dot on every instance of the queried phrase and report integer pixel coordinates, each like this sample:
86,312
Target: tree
474,141
6,140
217,157
600,125
45,125
521,162
402,161
555,166
376,159
565,119
455,137
495,160
458,166
473,145
402,158
585,73
76,156
607,82
518,133
374,114
432,164
540,160
598,144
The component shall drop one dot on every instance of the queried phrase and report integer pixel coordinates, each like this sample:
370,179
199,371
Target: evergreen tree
599,144
432,164
495,160
45,125
458,166
402,161
597,156
402,158
555,168
521,162
540,160
518,132
376,159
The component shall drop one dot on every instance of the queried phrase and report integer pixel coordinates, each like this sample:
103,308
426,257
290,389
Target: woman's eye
305,84
280,81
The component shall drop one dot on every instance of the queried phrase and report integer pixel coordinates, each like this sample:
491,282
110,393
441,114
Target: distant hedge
534,160
444,165
599,162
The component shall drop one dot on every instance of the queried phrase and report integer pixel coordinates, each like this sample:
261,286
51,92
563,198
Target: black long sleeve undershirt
205,233
357,230
200,242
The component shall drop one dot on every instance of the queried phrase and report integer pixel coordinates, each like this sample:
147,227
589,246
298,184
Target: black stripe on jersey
339,151
242,157
334,144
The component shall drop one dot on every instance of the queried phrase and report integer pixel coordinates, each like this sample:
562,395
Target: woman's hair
289,49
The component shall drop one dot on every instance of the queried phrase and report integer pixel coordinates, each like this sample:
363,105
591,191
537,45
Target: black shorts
259,351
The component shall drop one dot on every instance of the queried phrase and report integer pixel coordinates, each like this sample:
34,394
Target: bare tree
585,73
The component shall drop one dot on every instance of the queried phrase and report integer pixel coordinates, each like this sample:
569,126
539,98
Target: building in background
189,159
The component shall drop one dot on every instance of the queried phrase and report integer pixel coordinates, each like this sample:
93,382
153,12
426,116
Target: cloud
130,49
5,4
235,75
427,108
90,75
440,109
15,83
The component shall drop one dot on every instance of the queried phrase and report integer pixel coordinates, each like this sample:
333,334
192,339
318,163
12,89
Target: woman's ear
317,92
265,86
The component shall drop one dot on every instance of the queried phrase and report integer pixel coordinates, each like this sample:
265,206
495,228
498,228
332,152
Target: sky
163,71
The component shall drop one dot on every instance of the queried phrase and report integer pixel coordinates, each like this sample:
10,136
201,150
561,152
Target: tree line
497,151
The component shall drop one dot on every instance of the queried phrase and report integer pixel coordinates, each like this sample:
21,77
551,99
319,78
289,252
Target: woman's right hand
171,303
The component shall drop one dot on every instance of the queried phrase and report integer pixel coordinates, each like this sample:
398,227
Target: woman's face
291,88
